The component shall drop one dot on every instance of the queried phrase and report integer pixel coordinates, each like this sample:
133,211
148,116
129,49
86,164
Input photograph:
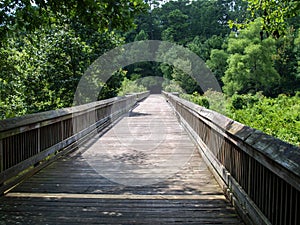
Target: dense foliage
102,15
275,15
250,64
130,86
250,46
245,58
46,46
278,117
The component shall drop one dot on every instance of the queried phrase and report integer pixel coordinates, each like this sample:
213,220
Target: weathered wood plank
114,196
145,170
27,142
259,172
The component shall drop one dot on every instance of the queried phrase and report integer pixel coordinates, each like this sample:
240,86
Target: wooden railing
259,173
30,142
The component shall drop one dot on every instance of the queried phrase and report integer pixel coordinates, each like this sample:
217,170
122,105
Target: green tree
102,15
142,35
48,64
274,14
218,63
207,19
184,80
130,86
47,46
172,86
176,27
286,63
204,48
141,69
11,82
250,64
297,53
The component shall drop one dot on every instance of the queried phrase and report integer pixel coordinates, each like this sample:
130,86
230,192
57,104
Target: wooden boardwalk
145,170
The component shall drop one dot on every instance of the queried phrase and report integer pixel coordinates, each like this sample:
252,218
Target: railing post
38,144
1,162
249,175
1,156
62,129
39,139
272,191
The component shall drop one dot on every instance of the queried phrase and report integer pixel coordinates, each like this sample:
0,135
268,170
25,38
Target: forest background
252,47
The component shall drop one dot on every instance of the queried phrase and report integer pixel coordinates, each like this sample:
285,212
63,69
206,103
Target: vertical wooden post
249,176
38,144
1,162
39,139
62,130
1,156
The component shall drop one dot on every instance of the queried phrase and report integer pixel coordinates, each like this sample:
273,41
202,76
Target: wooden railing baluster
262,172
28,141
1,156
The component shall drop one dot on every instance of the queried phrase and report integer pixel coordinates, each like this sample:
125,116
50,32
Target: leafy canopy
274,13
104,15
250,64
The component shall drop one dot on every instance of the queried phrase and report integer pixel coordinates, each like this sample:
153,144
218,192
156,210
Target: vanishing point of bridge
144,159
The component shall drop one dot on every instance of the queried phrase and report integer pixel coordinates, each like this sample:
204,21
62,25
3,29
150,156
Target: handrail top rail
283,153
25,120
12,123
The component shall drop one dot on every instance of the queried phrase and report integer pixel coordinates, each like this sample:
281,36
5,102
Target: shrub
278,117
129,86
243,101
198,99
172,86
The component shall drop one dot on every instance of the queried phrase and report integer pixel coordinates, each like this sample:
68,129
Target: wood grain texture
145,170
258,172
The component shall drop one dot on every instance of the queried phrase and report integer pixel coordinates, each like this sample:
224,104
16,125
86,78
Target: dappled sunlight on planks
142,171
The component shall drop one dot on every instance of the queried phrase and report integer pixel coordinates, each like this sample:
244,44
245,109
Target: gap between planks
115,196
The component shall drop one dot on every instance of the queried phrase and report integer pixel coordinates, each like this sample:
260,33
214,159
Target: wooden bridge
144,159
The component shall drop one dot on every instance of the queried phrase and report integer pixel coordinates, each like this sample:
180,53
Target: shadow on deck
144,170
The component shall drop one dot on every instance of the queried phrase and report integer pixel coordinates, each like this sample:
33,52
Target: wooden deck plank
145,170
